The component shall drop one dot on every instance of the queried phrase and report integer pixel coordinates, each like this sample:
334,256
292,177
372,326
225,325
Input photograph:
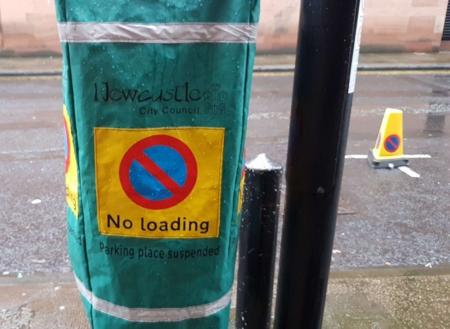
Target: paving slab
40,302
389,298
374,299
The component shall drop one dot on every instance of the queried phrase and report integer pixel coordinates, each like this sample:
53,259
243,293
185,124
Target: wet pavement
413,298
394,299
386,217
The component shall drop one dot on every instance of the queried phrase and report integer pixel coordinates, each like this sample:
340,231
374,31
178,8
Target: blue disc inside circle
168,160
392,143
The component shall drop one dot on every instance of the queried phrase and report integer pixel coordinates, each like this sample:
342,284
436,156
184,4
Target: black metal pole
257,247
320,115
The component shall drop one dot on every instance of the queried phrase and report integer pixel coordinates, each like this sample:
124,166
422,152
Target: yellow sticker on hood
71,167
159,183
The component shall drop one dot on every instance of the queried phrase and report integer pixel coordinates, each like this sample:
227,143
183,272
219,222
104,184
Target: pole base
385,164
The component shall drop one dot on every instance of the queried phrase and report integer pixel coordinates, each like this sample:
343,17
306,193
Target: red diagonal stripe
392,143
158,173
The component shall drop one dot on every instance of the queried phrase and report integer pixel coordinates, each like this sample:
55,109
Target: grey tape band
72,32
153,315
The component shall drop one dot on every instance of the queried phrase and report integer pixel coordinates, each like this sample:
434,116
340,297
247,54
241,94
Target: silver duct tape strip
156,33
153,315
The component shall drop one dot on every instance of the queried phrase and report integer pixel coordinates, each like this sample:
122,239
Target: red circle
137,151
67,155
394,146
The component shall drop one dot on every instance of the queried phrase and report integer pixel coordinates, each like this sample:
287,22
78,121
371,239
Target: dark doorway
446,34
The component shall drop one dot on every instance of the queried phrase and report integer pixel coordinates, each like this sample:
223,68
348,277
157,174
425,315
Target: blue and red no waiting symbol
392,143
158,172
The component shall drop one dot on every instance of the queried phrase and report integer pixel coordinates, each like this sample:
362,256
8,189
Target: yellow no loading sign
159,183
71,168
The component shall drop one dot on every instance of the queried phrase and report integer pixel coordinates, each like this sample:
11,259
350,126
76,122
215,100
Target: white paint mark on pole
409,172
356,49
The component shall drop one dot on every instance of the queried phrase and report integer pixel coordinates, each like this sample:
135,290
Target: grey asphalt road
387,218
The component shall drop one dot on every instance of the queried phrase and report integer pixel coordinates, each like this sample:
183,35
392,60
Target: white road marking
32,151
407,156
356,156
268,115
405,72
375,72
417,156
409,172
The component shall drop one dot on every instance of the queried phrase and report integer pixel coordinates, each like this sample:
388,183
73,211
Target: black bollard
324,81
257,245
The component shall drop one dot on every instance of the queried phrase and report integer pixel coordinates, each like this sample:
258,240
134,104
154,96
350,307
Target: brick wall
389,25
28,26
404,24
